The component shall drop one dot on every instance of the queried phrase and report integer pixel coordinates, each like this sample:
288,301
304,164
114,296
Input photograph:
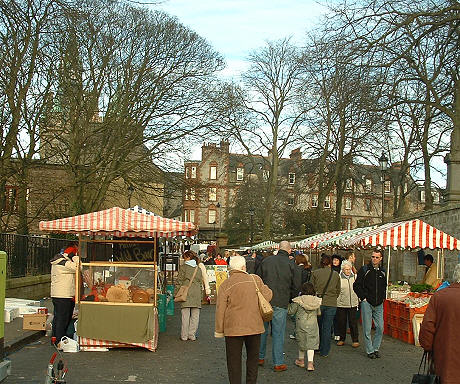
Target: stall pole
442,264
388,268
155,266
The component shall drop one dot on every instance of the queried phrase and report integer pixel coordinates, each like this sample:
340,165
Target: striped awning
339,240
119,222
313,241
266,245
406,234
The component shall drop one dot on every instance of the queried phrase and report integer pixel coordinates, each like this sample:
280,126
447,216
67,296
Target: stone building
211,185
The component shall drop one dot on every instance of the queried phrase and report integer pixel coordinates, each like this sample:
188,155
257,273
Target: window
187,172
435,197
348,203
213,194
192,216
239,174
186,215
213,172
367,204
422,196
11,198
314,201
387,186
291,178
347,223
193,172
349,184
327,202
190,194
368,185
212,216
266,174
291,200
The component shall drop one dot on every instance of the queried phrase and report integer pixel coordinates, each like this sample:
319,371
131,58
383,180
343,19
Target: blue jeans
278,330
369,313
326,320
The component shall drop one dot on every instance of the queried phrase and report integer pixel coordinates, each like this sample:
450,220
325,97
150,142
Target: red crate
395,308
394,332
393,321
406,336
405,324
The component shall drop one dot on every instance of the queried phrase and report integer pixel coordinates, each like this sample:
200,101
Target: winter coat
194,295
439,333
347,297
306,311
279,273
237,309
63,267
371,284
319,279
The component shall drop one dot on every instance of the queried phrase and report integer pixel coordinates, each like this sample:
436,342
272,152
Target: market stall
404,310
117,299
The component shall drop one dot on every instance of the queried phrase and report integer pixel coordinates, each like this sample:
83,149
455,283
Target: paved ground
203,362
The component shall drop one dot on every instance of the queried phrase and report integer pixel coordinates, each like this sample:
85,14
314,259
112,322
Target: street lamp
130,193
215,238
383,161
251,215
220,216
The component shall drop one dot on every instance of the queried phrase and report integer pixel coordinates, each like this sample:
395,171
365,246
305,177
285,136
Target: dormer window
213,172
368,185
291,178
193,173
349,185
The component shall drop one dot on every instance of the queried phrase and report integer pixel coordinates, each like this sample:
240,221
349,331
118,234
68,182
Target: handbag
327,284
426,376
182,293
265,308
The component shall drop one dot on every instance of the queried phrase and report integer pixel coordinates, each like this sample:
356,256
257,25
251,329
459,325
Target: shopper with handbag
439,331
190,280
239,319
327,286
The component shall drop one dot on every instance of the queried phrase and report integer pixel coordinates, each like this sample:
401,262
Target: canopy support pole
388,269
155,266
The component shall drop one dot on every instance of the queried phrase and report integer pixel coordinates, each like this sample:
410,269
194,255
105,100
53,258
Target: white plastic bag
68,345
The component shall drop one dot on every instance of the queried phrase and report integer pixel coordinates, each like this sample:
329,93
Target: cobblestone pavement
203,361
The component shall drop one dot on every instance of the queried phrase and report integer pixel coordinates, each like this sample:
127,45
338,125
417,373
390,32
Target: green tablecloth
122,323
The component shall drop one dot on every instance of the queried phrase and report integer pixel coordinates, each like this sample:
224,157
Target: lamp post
383,161
215,238
220,216
130,193
251,216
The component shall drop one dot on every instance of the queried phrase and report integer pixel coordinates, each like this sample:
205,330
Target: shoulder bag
426,375
182,293
265,308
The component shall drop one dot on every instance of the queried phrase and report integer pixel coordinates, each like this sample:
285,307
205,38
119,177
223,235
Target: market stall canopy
339,240
313,241
266,245
119,222
405,234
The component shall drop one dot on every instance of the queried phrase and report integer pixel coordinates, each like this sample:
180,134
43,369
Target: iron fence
29,255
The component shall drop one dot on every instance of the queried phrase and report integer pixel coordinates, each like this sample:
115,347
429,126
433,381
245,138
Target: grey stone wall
30,287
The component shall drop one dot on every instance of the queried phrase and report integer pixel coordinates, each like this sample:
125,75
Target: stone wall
29,287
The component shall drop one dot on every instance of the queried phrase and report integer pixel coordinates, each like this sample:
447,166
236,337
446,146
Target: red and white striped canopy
313,241
119,222
405,234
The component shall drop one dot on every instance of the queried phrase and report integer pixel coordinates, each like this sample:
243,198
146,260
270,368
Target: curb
16,344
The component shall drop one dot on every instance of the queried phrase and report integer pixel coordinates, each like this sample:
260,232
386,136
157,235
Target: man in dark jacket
370,286
278,272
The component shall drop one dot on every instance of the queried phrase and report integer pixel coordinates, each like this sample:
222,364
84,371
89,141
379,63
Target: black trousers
63,310
342,315
234,347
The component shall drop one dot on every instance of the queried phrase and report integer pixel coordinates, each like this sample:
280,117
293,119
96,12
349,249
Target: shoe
324,355
340,343
310,366
261,362
300,363
193,338
377,354
280,368
291,336
183,339
371,355
355,344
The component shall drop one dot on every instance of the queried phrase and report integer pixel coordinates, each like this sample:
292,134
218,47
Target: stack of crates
399,320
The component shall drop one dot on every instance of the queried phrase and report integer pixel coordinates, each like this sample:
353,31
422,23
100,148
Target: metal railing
29,255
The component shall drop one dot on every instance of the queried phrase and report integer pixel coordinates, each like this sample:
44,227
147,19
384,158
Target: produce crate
406,336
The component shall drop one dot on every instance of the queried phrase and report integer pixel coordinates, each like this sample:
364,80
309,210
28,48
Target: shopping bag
426,374
265,308
181,294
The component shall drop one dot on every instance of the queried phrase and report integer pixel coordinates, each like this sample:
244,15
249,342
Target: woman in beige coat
238,319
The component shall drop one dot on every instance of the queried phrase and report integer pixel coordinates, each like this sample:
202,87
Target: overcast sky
236,27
